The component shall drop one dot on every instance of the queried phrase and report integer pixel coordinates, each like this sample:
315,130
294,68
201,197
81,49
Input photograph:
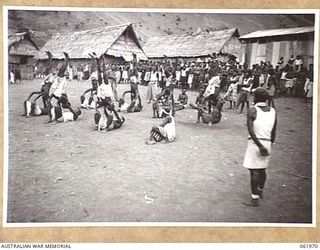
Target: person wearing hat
261,123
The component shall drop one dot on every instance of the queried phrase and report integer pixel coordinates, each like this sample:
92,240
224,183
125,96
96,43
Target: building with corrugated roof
192,46
270,45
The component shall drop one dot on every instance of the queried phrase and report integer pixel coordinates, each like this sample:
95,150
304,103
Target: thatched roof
79,44
279,32
200,44
21,44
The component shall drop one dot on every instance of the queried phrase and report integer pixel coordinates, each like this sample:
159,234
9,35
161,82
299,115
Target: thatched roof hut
194,45
116,41
22,50
20,44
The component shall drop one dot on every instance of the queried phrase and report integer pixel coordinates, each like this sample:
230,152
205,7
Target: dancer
106,120
59,85
134,106
215,115
31,108
46,83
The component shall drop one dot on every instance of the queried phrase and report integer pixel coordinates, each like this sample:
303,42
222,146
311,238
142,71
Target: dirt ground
70,173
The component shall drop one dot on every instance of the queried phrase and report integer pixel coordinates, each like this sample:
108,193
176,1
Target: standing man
261,122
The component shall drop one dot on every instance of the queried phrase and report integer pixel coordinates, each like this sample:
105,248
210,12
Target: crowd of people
290,79
217,78
287,79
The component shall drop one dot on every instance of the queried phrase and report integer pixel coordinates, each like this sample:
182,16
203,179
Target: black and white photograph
169,117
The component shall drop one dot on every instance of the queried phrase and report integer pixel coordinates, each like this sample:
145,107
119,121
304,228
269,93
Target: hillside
43,24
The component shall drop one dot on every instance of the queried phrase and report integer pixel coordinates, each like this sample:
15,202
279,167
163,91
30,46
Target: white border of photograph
159,224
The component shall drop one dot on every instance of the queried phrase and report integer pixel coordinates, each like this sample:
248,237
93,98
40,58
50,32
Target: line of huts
119,43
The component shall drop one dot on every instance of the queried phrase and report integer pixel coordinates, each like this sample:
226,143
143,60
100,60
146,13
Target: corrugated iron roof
278,32
194,45
80,44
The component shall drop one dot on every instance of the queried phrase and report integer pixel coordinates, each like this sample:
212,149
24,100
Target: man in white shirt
165,131
261,123
105,94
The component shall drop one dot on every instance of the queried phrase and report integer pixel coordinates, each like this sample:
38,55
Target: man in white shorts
58,87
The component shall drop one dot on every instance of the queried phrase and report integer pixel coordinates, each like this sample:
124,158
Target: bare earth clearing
71,173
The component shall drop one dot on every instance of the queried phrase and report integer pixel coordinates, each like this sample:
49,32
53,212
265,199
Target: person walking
261,123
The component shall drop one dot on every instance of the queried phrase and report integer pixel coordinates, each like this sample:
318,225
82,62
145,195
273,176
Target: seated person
214,116
106,121
182,100
165,131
